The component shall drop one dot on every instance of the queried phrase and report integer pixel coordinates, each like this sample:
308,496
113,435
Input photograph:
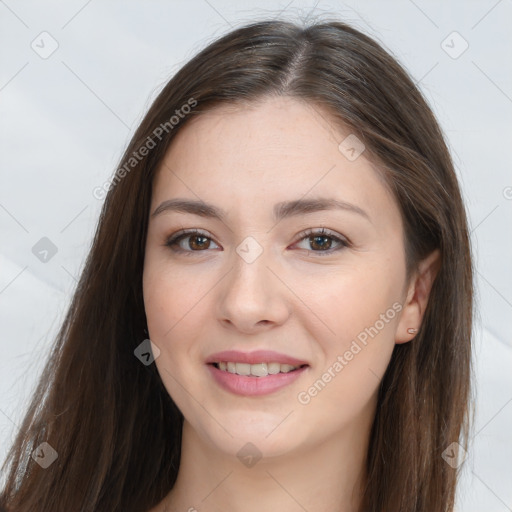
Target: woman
276,309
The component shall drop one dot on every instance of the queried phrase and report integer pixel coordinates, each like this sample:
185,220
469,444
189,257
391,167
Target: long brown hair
110,419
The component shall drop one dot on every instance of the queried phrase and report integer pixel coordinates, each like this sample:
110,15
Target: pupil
322,246
201,244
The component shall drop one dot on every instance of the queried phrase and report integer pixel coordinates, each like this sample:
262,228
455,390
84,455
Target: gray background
66,117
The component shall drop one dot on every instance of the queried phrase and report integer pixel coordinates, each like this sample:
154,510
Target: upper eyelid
303,233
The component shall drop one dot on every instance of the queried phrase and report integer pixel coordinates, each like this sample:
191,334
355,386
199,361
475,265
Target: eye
321,241
197,241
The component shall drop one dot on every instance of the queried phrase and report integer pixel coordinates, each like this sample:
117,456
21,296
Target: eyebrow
281,210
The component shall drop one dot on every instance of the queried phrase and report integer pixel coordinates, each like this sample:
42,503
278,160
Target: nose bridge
250,274
252,293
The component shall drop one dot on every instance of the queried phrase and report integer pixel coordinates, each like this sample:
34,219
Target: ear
416,300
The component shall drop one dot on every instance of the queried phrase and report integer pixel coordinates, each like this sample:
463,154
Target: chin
262,437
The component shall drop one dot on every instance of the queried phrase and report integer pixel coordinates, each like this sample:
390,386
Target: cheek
169,296
362,311
170,303
353,299
177,302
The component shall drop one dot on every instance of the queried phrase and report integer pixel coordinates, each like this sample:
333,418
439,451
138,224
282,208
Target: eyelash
173,241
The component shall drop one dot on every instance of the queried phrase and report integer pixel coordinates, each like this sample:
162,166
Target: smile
248,384
255,370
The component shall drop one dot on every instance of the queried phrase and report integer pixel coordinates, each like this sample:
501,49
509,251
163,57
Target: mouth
256,373
255,379
257,370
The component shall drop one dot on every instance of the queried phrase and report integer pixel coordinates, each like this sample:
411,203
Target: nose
253,297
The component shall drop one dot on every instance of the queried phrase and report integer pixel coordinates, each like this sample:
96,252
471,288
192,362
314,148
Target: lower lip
254,386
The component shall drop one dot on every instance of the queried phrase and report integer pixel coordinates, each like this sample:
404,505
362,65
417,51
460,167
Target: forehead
275,150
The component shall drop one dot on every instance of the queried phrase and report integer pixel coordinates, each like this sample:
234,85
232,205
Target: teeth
273,368
256,370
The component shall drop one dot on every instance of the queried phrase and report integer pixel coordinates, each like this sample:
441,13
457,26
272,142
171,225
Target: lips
234,371
254,386
258,356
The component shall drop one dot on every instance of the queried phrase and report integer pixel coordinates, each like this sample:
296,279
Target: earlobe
417,297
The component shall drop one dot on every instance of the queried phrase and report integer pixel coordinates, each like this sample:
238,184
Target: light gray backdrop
76,78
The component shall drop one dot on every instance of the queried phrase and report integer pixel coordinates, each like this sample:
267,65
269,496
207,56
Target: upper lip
258,356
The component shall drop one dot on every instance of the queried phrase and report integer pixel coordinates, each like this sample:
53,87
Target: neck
325,477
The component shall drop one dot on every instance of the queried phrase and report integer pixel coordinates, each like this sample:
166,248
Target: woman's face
259,277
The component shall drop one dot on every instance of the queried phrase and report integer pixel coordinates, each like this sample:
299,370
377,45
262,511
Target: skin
293,299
